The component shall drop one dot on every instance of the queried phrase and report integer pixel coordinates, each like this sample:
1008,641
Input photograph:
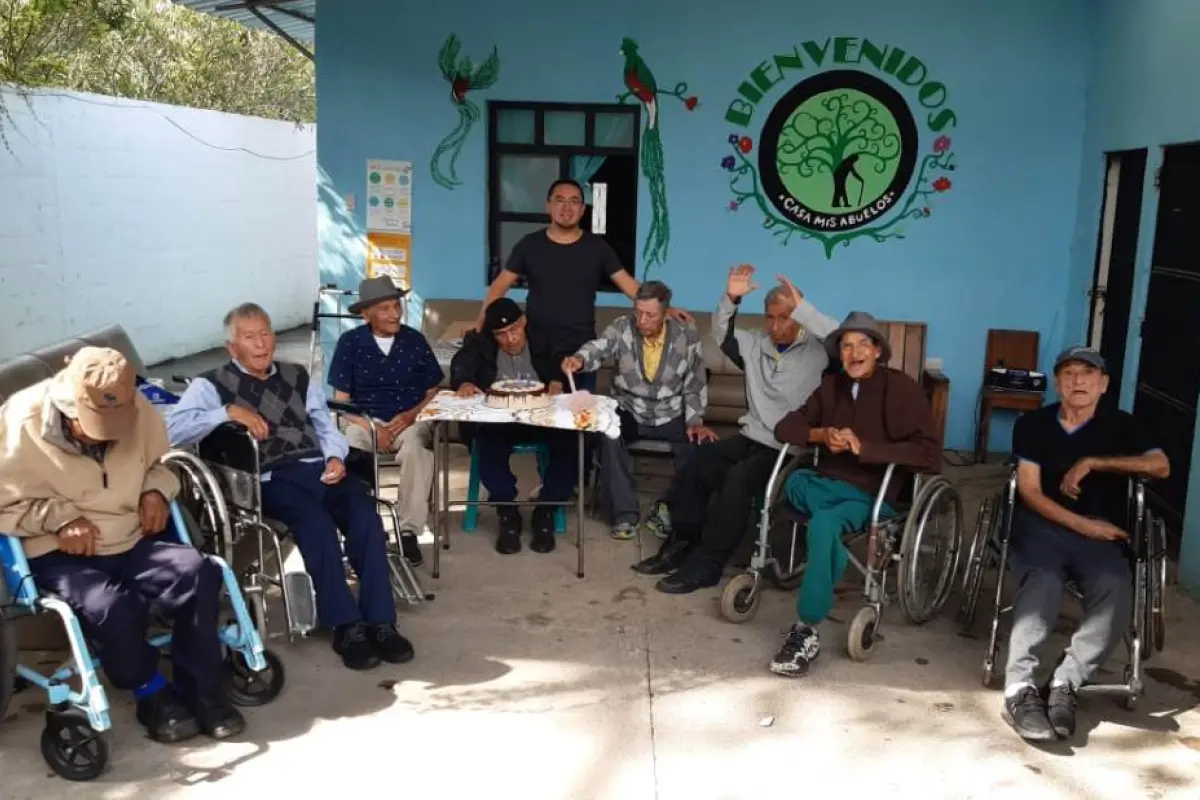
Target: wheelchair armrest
341,407
16,579
231,445
789,459
877,506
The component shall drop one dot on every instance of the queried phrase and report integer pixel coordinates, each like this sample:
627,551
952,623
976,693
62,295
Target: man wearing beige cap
81,485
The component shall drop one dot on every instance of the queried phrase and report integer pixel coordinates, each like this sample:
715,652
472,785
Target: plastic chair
471,518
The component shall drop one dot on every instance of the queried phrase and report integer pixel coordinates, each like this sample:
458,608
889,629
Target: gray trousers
1044,557
617,486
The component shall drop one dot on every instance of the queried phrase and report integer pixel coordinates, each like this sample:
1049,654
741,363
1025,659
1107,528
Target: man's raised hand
740,282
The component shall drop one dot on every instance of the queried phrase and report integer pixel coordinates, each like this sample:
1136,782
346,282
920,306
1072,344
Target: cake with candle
518,394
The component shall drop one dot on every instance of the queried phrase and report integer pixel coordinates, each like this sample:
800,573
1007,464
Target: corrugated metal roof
297,28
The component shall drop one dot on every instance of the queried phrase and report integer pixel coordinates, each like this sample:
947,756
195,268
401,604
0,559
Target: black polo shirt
563,280
1041,437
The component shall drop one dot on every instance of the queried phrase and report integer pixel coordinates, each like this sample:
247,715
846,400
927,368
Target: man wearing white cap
82,487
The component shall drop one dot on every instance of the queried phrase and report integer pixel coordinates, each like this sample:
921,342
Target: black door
1168,381
1115,289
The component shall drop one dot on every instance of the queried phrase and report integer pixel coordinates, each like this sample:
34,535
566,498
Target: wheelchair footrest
302,602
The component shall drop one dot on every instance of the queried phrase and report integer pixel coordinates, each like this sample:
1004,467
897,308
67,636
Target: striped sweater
679,388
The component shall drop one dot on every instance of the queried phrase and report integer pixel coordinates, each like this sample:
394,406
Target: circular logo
375,177
837,151
388,202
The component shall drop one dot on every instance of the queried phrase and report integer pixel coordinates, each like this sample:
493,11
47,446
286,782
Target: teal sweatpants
833,507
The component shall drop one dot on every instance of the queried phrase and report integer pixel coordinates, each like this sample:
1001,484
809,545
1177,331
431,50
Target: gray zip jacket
776,383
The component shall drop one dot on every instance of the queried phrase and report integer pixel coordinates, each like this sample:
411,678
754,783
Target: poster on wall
388,254
839,140
389,196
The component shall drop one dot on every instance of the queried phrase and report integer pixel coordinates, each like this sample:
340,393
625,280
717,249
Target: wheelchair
921,545
73,742
1148,556
229,507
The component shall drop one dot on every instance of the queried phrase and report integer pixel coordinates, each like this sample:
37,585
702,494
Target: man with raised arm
782,363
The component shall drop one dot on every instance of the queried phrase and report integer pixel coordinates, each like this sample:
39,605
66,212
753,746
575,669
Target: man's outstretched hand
740,282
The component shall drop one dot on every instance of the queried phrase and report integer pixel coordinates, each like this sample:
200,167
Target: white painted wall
156,217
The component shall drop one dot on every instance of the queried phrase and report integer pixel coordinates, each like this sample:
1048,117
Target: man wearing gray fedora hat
863,417
389,370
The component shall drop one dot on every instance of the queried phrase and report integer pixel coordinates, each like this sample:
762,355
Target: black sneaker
1025,711
543,530
218,718
389,644
350,642
411,548
1060,710
166,718
689,578
800,648
509,540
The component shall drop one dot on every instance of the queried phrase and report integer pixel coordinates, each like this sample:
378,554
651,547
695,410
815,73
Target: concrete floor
531,683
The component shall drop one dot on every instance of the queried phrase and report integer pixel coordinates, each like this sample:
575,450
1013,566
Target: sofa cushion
26,370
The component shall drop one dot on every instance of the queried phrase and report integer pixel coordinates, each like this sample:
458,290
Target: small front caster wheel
740,598
249,689
860,639
73,749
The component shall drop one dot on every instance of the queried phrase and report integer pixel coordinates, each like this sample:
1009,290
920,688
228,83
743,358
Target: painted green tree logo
837,157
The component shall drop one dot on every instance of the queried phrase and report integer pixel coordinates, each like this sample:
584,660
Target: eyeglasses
569,202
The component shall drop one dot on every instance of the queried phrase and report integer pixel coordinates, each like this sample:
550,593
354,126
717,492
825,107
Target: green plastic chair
471,518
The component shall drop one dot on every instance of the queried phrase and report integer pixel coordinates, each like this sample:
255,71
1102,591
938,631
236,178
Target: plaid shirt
679,388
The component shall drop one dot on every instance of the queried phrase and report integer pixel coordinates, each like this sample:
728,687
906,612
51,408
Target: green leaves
448,57
488,72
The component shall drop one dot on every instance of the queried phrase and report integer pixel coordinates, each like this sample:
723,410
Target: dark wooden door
1168,380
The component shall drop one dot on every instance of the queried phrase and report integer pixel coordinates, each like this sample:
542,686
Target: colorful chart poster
388,254
389,196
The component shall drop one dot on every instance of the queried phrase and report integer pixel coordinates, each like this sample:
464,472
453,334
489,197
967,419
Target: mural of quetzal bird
640,84
463,76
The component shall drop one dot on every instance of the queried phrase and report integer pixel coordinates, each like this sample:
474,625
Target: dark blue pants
112,596
314,513
496,443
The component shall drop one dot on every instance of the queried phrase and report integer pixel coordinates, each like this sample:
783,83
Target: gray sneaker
659,521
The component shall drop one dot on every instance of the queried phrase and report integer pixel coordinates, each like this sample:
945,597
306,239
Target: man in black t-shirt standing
1074,461
564,267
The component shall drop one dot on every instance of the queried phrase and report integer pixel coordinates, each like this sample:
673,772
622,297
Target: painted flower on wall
728,163
745,144
941,144
734,205
691,103
942,184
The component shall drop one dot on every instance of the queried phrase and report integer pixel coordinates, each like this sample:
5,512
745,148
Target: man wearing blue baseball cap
1074,459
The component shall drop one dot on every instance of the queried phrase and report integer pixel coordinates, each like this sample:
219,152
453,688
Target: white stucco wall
156,217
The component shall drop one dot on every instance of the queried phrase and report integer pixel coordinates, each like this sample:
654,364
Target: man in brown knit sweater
862,418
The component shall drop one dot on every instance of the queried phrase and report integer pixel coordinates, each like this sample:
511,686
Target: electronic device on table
1003,379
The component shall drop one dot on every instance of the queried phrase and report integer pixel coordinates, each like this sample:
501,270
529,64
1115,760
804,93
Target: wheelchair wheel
929,551
977,563
861,638
740,598
71,748
8,654
1156,589
248,688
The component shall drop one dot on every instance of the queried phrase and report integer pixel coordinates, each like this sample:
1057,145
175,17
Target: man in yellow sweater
82,487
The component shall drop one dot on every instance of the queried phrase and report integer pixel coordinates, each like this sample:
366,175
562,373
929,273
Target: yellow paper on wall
388,254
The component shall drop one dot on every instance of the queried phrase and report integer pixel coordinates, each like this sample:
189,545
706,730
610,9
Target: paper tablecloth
600,418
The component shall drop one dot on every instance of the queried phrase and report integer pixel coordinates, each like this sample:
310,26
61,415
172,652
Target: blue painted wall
1142,93
996,251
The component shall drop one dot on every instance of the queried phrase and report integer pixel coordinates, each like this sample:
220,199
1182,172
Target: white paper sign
599,208
389,196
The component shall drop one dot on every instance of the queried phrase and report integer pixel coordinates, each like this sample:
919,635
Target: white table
446,407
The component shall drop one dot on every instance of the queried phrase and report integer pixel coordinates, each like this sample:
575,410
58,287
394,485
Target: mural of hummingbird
463,77
640,83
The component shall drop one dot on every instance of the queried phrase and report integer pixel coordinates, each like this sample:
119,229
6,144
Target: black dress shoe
411,548
350,642
669,558
218,718
389,644
686,581
509,540
166,718
543,530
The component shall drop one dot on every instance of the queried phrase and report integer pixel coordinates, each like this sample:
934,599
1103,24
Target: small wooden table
1000,400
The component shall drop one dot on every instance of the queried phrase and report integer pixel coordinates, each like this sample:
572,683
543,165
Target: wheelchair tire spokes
72,748
250,688
912,575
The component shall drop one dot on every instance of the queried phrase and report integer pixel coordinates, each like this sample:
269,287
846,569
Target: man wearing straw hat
389,370
863,417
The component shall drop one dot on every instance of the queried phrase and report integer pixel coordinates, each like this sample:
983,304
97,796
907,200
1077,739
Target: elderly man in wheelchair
84,492
867,420
1074,461
302,472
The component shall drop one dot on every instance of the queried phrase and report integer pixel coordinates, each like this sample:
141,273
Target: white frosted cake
517,395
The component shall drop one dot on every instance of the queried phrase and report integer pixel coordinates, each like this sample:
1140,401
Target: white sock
1017,688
